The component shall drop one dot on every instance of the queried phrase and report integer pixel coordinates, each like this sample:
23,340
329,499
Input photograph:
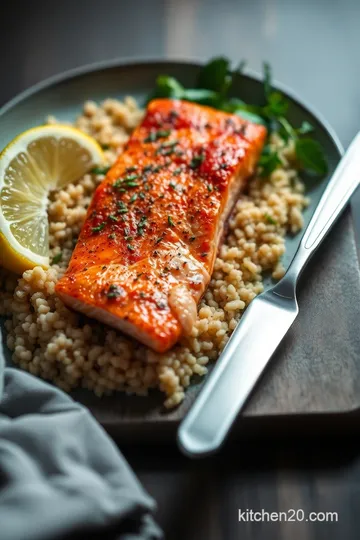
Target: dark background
313,47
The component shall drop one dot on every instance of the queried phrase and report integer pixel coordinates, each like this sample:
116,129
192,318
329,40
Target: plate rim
123,62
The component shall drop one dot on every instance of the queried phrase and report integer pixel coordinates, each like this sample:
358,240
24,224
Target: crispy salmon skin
148,245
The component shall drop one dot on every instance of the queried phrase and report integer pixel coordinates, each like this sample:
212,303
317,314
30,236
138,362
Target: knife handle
342,185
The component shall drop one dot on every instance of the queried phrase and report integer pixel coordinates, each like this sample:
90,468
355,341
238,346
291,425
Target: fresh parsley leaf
214,82
269,161
286,131
215,75
167,87
277,106
251,117
202,96
248,112
311,156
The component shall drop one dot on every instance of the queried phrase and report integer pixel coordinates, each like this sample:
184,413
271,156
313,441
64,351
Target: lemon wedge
34,163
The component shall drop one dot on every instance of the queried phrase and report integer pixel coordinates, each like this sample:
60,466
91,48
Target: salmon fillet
148,245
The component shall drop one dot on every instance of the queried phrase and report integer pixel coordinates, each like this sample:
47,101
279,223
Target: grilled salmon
148,245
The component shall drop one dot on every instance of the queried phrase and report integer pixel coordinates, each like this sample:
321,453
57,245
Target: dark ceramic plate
311,372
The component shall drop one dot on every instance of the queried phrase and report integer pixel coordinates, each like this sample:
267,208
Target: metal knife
248,351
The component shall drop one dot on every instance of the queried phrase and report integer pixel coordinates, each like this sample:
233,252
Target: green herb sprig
214,83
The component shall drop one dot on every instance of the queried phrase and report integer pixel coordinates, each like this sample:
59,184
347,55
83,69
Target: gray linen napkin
60,474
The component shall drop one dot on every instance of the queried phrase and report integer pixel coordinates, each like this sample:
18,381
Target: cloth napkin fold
60,474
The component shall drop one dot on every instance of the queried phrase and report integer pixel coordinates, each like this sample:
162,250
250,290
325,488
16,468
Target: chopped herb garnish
270,219
168,152
147,168
157,169
209,187
142,294
179,153
158,240
98,228
172,185
130,247
122,207
141,225
123,183
112,236
155,135
177,171
114,291
142,195
57,258
129,238
163,133
130,169
130,178
100,170
133,198
105,146
169,144
170,221
113,218
151,137
197,161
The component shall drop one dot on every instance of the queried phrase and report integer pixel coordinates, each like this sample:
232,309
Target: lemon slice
34,163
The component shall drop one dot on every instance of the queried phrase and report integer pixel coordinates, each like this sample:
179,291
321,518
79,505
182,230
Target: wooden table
313,47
